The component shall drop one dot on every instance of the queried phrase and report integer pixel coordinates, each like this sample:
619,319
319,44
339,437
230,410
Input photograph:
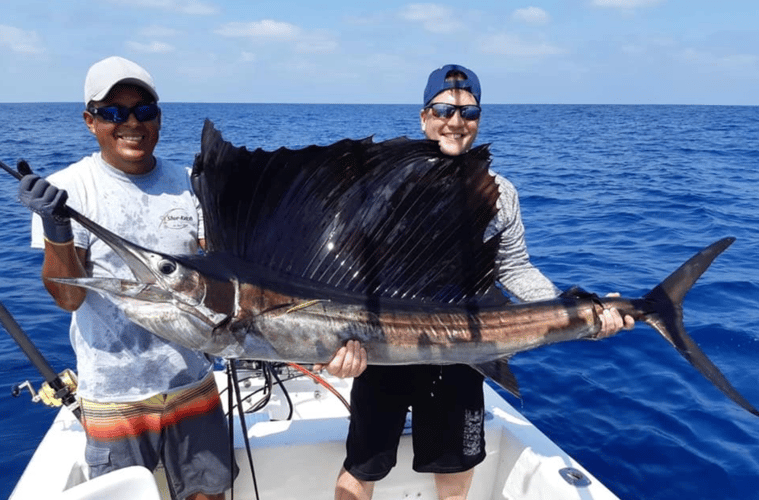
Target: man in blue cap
451,113
447,401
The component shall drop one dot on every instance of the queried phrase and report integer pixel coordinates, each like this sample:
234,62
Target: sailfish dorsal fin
396,218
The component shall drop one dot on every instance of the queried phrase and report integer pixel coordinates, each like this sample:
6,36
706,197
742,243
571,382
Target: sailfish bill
389,243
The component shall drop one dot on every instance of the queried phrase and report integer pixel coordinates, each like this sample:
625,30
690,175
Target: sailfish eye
167,266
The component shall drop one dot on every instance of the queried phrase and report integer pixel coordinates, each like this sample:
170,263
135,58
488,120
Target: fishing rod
22,169
57,386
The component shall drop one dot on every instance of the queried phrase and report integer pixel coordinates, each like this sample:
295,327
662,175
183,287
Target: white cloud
433,17
156,31
192,7
152,47
512,45
648,45
531,15
632,49
625,4
749,61
367,20
708,60
18,40
266,29
318,43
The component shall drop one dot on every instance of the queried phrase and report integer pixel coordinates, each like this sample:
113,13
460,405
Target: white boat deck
300,458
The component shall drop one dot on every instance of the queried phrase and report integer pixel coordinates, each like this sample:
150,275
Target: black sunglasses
119,114
443,110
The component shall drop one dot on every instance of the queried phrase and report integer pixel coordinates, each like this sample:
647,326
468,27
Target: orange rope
321,381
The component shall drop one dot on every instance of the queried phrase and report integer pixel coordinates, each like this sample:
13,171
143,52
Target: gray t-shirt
118,361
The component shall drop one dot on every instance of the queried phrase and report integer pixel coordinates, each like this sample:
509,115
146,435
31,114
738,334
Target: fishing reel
47,394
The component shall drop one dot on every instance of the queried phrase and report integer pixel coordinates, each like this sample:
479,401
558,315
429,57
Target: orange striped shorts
185,430
112,421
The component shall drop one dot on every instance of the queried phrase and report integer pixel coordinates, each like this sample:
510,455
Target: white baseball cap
103,75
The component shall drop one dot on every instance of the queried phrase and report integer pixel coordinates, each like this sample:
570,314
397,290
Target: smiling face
454,134
126,146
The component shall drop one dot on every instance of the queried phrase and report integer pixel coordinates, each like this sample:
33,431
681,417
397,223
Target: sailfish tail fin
666,317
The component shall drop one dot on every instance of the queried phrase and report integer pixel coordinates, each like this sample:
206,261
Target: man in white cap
144,400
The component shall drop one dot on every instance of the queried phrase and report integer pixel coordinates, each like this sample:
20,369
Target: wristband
57,229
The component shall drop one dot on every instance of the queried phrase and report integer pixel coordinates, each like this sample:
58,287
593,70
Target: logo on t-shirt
177,218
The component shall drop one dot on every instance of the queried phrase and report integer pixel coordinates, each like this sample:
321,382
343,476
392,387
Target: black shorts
447,419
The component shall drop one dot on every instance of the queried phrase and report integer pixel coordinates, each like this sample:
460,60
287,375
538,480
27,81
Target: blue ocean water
614,198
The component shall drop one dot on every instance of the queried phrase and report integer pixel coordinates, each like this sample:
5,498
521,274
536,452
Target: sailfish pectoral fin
500,372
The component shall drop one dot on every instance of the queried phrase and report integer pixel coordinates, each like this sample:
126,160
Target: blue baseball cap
436,83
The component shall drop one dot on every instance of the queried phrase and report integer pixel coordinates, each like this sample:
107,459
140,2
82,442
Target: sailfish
383,242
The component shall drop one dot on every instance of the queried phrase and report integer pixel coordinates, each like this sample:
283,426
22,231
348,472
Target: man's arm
64,260
517,274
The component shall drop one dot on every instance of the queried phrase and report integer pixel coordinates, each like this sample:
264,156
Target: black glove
49,202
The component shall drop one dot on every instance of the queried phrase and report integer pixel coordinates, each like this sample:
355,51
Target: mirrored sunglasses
443,110
120,114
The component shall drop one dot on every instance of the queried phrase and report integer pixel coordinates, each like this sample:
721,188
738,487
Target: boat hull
300,458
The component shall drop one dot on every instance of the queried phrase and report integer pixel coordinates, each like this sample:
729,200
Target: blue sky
572,51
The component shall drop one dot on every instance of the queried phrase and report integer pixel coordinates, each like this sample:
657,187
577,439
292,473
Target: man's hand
612,321
349,361
49,202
